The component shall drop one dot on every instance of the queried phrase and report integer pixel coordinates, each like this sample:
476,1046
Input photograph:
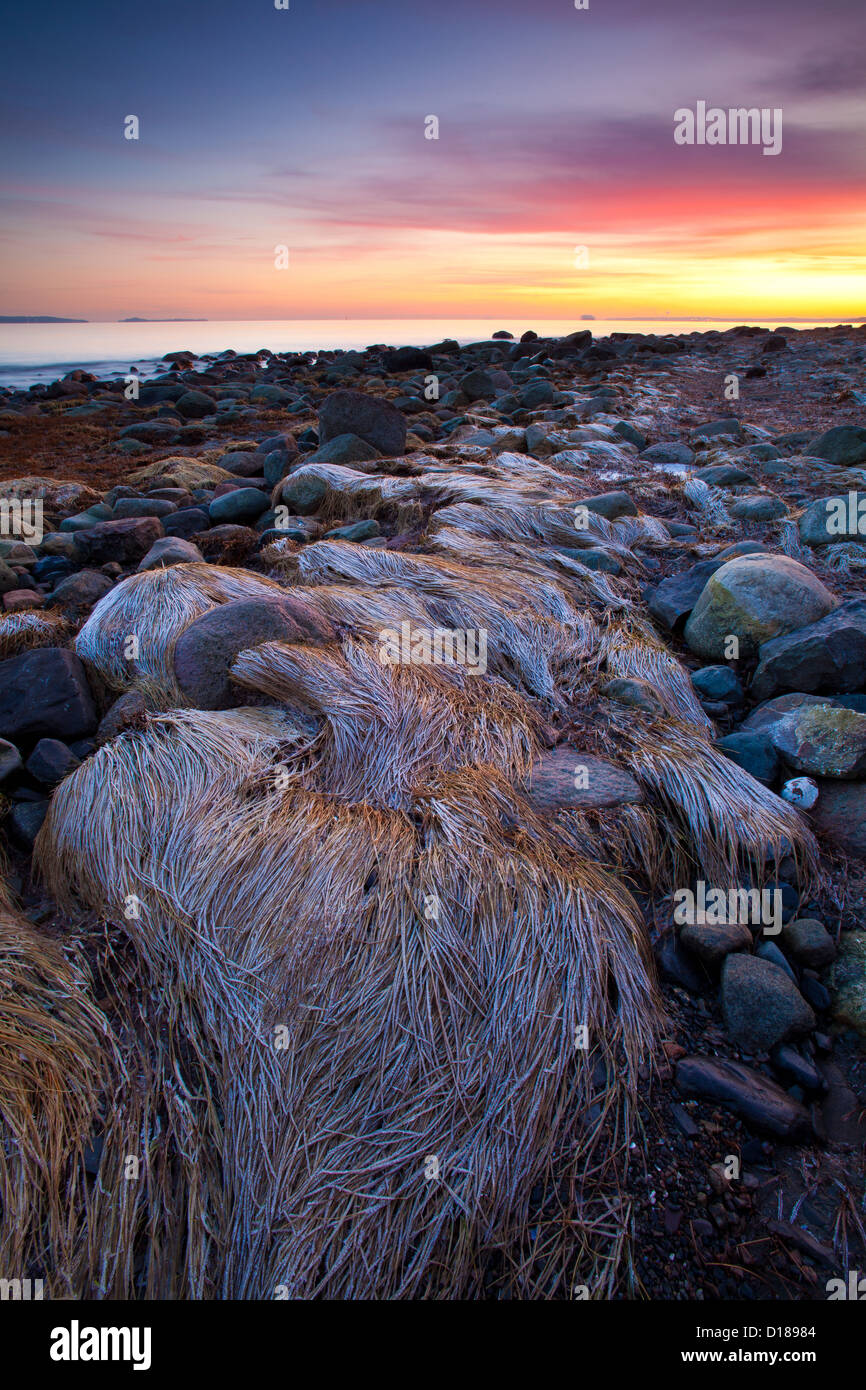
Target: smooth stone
355,531
45,692
758,509
756,1099
809,942
206,650
566,777
718,683
25,821
141,506
761,1005
190,521
637,693
670,453
843,445
345,449
80,592
839,816
170,550
241,505
830,520
610,505
126,541
755,598
304,492
712,942
51,761
195,405
127,712
723,475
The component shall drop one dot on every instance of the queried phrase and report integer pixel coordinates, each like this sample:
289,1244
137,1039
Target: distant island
135,320
36,318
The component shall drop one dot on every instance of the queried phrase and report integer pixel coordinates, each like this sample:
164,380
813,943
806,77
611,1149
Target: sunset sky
305,128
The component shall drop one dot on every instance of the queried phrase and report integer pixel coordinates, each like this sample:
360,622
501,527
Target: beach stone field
487,724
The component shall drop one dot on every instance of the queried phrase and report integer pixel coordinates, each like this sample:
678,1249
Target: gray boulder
761,1004
372,419
45,692
829,654
755,598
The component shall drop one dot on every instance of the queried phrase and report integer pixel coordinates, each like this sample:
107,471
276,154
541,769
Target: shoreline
608,517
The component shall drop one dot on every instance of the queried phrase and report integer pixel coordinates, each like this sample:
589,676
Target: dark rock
25,822
206,650
304,492
844,445
51,761
840,815
244,504
610,505
127,541
372,419
195,405
345,449
141,506
45,692
673,599
80,592
711,942
829,654
188,522
718,683
407,359
809,942
791,1064
478,385
354,531
677,966
10,759
757,1100
761,1005
723,475
670,453
815,993
242,463
127,712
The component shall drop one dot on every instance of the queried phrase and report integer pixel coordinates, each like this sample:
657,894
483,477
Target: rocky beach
341,964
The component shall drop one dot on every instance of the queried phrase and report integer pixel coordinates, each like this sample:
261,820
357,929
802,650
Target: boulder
345,449
829,654
51,761
828,520
127,541
45,692
242,505
809,942
824,740
78,593
755,598
844,445
170,550
206,650
839,816
761,1004
674,598
372,419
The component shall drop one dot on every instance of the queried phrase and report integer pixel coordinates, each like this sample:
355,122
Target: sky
555,187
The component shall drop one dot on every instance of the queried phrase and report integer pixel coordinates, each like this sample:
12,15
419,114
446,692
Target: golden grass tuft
20,632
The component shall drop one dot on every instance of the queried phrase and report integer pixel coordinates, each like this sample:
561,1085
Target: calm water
31,352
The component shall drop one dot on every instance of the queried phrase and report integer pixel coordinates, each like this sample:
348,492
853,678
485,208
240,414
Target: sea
42,352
